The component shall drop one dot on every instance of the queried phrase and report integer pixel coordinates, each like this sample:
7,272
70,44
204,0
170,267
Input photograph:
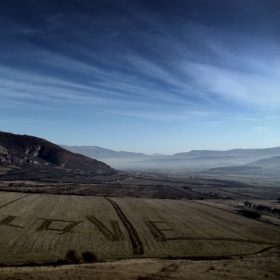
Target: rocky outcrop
3,150
28,150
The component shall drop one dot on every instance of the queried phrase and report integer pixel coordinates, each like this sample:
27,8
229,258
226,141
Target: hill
249,153
267,162
22,150
101,153
195,160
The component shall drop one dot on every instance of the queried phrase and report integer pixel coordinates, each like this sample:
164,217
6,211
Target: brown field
38,227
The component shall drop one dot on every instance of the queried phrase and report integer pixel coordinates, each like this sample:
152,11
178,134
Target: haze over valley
262,162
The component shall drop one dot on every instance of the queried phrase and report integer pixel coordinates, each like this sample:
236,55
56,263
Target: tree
72,256
250,214
89,256
248,203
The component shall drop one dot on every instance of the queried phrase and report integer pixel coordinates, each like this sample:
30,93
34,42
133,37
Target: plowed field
44,227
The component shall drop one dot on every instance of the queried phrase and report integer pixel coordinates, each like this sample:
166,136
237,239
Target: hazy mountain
267,162
195,160
234,154
252,153
101,153
28,150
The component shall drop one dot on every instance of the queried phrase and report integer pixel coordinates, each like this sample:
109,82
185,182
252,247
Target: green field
44,227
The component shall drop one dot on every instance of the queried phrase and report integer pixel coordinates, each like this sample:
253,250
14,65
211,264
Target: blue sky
142,76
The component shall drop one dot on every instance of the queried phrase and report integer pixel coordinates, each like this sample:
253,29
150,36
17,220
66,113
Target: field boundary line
137,245
13,201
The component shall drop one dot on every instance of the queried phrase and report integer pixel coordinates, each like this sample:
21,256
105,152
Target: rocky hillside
24,150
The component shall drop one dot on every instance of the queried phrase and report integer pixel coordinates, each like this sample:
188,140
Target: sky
155,76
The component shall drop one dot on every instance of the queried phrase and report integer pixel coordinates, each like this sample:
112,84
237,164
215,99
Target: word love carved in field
113,234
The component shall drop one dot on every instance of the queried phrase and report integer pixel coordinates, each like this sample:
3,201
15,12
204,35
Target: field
41,227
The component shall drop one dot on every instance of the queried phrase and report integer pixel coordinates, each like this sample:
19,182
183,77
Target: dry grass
264,266
43,227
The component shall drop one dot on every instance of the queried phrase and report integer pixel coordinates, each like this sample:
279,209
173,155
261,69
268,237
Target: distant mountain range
24,150
101,153
196,160
253,153
266,162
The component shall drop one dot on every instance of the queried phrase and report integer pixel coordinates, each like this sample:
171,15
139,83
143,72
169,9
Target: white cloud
259,88
166,115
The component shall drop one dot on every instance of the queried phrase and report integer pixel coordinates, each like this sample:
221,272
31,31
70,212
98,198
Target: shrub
260,207
248,203
250,214
89,256
72,256
59,262
31,263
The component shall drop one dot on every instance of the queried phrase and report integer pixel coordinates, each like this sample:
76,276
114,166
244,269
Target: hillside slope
101,153
248,153
267,162
29,150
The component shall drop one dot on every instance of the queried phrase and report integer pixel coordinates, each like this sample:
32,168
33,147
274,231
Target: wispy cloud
193,62
260,88
169,116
